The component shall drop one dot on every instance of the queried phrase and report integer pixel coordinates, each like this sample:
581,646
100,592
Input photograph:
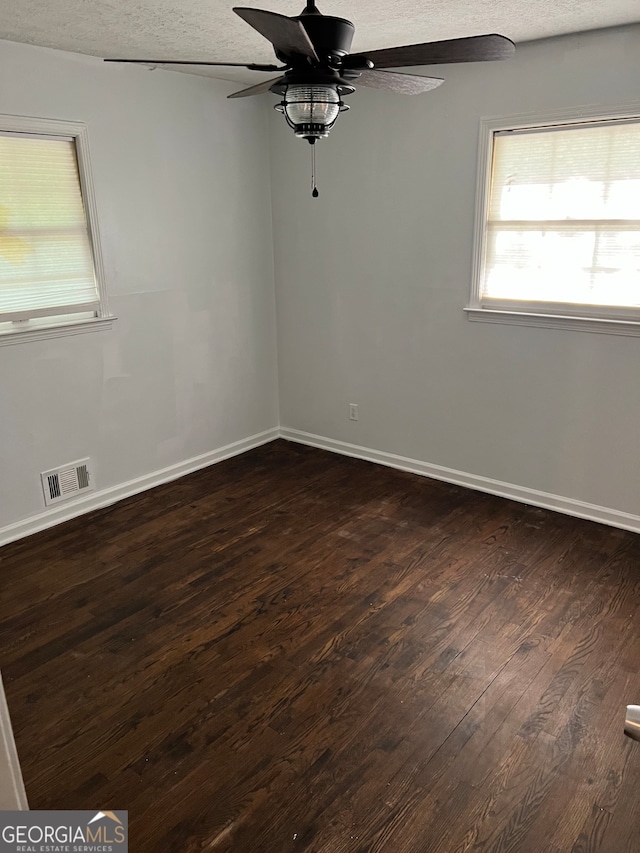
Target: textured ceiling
208,29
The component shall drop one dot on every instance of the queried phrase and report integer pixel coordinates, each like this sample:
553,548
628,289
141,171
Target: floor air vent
65,482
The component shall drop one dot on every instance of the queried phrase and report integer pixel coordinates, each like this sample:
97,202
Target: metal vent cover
62,483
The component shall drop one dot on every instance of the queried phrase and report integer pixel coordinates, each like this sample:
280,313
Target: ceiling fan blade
471,49
258,89
405,84
285,34
252,66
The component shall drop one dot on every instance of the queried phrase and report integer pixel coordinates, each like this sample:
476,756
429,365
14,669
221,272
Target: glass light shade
311,110
312,104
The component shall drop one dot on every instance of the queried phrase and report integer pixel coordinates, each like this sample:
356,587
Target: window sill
599,325
80,327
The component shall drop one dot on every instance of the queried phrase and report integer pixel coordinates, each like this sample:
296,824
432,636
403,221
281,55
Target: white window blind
46,260
563,222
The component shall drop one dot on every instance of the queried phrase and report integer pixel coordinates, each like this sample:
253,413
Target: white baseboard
568,506
106,497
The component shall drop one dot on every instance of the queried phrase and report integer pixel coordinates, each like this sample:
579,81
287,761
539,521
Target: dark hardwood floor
295,651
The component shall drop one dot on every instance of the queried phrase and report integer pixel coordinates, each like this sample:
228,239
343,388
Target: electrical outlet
353,411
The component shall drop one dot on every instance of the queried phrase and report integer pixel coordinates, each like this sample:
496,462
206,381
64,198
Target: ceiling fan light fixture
319,69
311,111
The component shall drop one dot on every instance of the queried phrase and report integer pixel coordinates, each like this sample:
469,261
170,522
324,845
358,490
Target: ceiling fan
317,69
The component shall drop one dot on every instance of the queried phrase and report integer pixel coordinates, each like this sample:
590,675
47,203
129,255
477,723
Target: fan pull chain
314,188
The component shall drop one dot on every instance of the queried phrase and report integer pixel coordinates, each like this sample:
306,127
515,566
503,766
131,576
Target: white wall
183,195
371,281
372,277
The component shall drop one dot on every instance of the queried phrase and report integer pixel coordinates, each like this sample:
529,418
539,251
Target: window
558,224
50,263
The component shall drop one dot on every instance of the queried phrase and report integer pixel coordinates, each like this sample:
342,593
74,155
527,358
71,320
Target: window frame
591,318
79,134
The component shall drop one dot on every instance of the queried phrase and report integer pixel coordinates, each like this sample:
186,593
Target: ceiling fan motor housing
331,37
